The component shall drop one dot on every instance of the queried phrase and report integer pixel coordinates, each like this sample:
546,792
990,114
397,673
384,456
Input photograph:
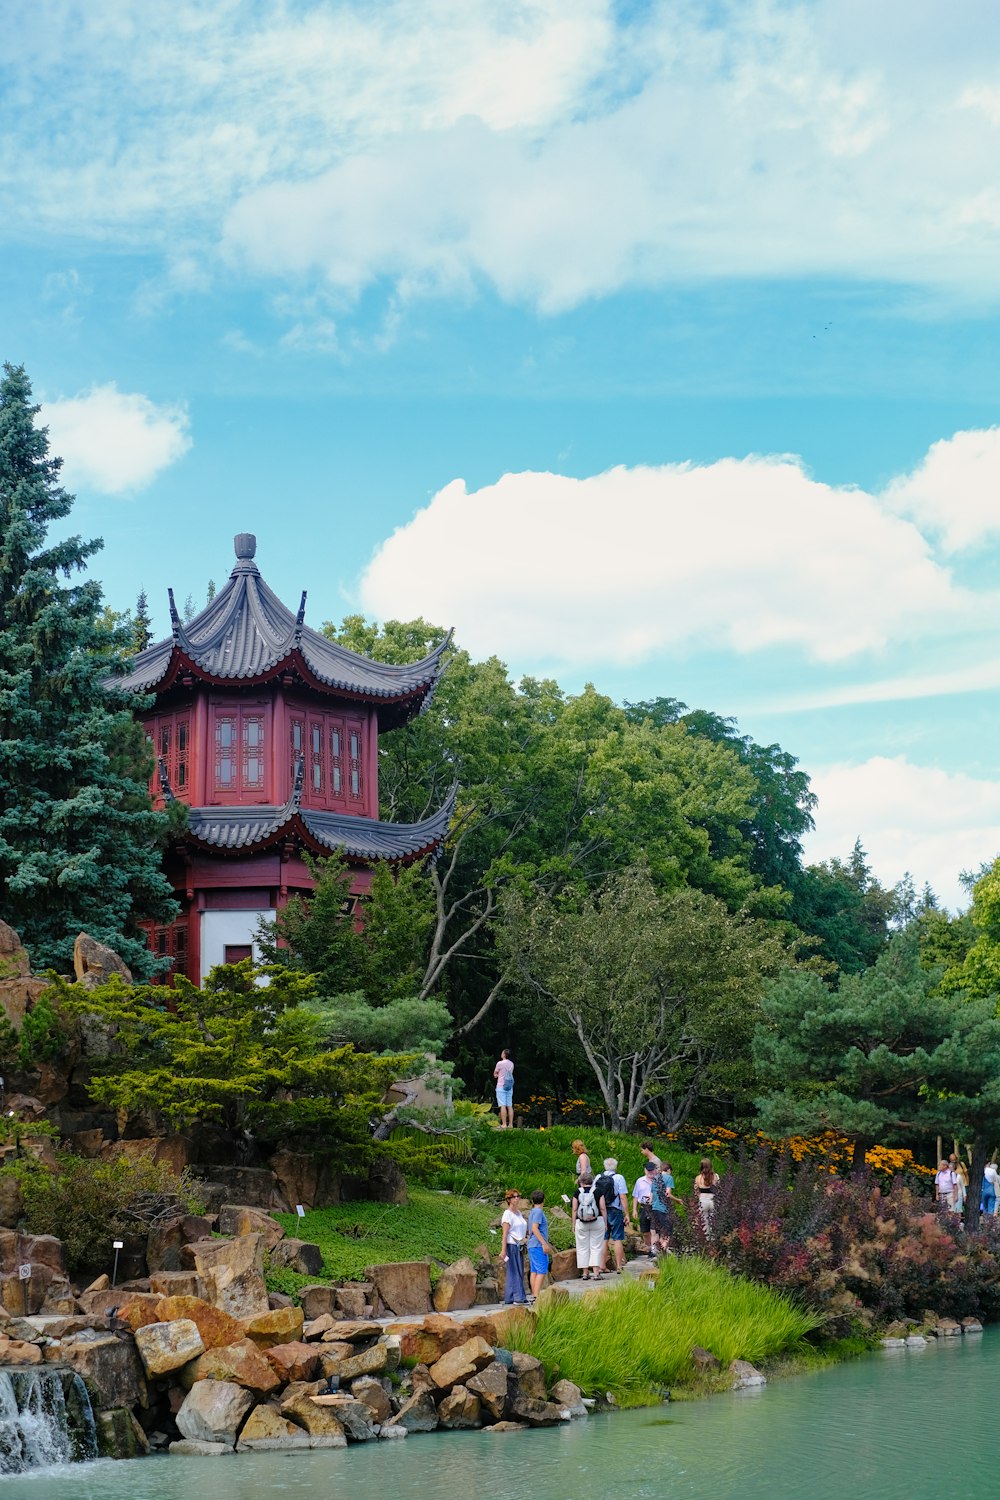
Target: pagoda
268,732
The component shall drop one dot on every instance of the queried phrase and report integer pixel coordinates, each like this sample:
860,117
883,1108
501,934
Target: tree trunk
858,1156
980,1156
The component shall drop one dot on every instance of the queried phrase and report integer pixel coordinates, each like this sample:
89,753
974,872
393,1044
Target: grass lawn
449,1216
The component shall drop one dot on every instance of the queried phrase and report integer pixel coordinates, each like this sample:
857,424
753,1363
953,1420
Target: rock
536,1413
460,1409
374,1395
295,1361
971,1325
508,1427
87,1142
419,1414
253,1186
213,1411
94,963
916,1341
241,1218
490,1385
351,1332
301,1178
353,1301
266,1430
947,1328
368,1362
119,1434
889,1342
111,1368
319,1422
403,1286
459,1365
241,1363
297,1255
530,1373
389,1430
319,1301
14,960
279,1325
101,1284
195,1448
216,1327
11,1201
177,1284
745,1376
550,1294
564,1266
165,1241
233,1274
569,1396
279,1299
353,1415
139,1312
385,1183
703,1359
38,1249
456,1287
316,1327
166,1346
18,995
17,1352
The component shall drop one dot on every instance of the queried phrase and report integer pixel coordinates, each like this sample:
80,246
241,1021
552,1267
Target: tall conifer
80,845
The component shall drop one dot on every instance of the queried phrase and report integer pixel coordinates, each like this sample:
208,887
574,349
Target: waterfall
45,1418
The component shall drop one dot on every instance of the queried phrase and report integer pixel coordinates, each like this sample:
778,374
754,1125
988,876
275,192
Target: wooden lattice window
253,752
296,742
225,752
336,760
317,777
355,739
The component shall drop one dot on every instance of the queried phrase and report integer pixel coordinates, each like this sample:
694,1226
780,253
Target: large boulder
300,1178
166,1346
33,1249
355,1299
569,1396
213,1411
294,1361
18,991
177,1284
491,1386
461,1364
254,1186
320,1423
371,1361
536,1413
11,1201
353,1415
266,1430
242,1363
461,1408
94,963
351,1330
456,1287
297,1255
232,1272
404,1287
278,1325
319,1300
111,1368
216,1327
530,1373
419,1414
242,1218
375,1396
119,1435
563,1266
166,1241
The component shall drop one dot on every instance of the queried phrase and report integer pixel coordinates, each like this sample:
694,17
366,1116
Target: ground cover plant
636,1340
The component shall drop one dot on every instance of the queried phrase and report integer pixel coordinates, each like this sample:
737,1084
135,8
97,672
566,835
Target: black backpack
604,1188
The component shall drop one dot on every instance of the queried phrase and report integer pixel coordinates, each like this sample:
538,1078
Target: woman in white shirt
515,1232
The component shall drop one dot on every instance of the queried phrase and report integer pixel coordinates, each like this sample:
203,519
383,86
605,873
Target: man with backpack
612,1189
590,1223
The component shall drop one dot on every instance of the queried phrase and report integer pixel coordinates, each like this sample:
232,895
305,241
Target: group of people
601,1216
951,1184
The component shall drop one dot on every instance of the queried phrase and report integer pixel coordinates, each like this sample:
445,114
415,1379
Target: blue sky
650,344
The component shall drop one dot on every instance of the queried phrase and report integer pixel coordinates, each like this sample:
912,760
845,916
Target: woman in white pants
590,1223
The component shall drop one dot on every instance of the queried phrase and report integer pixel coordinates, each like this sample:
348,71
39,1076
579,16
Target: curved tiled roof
246,633
242,828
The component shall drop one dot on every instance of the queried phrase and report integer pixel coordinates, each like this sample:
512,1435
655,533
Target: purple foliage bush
858,1253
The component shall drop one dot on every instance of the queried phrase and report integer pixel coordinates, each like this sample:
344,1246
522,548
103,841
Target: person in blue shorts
539,1248
504,1075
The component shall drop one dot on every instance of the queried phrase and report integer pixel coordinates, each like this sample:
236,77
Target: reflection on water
903,1425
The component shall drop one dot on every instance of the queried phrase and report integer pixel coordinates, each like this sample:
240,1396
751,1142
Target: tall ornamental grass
635,1341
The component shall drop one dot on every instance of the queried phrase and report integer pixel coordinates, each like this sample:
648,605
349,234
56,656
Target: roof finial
175,619
245,544
299,621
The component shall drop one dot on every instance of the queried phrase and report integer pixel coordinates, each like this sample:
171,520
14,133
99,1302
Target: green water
912,1425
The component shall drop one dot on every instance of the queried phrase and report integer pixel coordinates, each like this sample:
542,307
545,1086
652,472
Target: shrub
87,1203
851,1249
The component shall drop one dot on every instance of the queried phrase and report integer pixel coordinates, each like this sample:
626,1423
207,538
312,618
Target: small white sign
24,1272
300,1210
118,1244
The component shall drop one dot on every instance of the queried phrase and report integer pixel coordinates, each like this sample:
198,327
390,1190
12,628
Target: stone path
575,1288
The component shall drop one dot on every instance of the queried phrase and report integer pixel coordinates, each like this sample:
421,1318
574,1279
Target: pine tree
142,624
80,844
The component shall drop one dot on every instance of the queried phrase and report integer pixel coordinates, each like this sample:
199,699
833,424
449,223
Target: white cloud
554,150
920,819
115,441
954,491
743,554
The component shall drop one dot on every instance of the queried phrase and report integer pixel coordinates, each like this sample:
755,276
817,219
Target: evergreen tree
79,841
142,624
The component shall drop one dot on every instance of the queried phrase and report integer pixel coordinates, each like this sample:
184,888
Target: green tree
859,1060
661,990
240,1055
843,907
976,971
79,841
142,623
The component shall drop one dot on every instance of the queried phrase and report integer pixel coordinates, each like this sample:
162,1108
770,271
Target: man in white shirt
642,1198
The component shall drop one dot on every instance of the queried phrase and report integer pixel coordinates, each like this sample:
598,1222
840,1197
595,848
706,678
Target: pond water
900,1425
